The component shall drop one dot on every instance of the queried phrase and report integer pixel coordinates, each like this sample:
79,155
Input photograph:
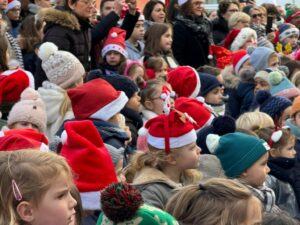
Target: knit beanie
220,125
123,204
264,75
62,68
259,58
282,86
12,4
209,82
236,151
115,41
287,30
238,59
115,154
272,105
295,106
291,12
30,108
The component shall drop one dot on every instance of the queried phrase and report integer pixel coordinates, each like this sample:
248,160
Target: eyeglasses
254,16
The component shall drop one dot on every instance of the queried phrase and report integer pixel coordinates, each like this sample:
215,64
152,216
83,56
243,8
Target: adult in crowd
220,25
239,20
154,12
192,34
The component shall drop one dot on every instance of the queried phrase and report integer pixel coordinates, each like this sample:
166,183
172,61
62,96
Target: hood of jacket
230,79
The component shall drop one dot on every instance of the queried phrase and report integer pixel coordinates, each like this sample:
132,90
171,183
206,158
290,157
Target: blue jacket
133,52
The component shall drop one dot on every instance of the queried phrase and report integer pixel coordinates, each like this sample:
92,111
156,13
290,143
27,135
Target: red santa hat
12,4
238,59
197,109
96,99
185,81
236,38
115,41
12,84
223,56
19,139
170,131
90,161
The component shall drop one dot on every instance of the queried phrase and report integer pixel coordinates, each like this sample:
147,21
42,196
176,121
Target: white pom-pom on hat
64,137
114,35
143,131
30,94
212,142
276,136
46,50
163,96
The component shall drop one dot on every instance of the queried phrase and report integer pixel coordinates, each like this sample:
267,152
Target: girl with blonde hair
254,121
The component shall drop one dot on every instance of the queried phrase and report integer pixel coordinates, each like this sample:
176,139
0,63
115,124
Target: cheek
158,107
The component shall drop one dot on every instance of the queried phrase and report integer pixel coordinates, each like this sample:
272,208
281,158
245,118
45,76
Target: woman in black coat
192,34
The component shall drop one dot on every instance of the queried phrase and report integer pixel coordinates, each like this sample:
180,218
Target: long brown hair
3,53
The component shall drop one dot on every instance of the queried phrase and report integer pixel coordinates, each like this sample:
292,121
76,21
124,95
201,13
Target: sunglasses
256,15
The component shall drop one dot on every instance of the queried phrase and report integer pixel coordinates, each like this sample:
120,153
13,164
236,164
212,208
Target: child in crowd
134,44
288,39
263,58
158,42
29,112
49,202
254,121
64,71
262,82
113,52
135,71
281,163
172,153
248,165
226,202
156,67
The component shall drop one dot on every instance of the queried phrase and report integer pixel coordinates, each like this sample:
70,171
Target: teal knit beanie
236,151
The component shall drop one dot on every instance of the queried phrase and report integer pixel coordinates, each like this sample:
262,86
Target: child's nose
72,202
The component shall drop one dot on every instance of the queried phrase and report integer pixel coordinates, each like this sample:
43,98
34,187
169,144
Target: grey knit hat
115,154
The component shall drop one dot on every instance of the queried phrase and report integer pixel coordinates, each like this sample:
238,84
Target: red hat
115,41
22,139
90,161
185,81
96,99
223,56
230,37
197,110
238,59
12,4
170,131
12,84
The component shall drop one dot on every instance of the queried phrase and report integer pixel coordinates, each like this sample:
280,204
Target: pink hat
185,81
238,59
96,99
115,41
19,139
170,131
90,161
30,108
197,110
12,4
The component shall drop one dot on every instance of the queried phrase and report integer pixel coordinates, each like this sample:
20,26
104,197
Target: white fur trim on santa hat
198,85
288,32
242,37
44,147
111,109
240,63
91,200
175,142
12,5
114,47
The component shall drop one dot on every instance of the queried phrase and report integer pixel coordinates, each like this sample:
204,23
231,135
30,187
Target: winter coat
220,30
133,52
245,94
30,59
53,96
189,48
156,188
69,32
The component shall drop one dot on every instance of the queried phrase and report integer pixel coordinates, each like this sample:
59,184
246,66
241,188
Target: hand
118,6
131,6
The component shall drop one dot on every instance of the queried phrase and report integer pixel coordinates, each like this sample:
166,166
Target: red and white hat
185,81
197,110
238,59
170,131
96,99
19,139
115,41
236,38
90,161
12,4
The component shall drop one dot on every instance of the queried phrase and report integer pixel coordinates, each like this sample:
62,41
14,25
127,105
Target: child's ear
25,211
171,159
148,105
273,152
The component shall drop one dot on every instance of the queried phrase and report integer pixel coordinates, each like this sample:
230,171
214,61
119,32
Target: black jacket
220,30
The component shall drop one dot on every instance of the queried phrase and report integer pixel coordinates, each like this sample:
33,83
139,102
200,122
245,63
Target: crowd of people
169,114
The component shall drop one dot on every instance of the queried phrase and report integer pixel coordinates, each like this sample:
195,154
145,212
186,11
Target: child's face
297,119
254,212
257,173
292,40
163,72
287,151
214,96
250,42
138,72
246,65
138,31
273,61
166,40
134,102
261,84
56,206
25,125
188,157
113,58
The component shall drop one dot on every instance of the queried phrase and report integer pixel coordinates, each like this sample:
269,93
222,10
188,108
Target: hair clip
201,187
16,190
275,137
